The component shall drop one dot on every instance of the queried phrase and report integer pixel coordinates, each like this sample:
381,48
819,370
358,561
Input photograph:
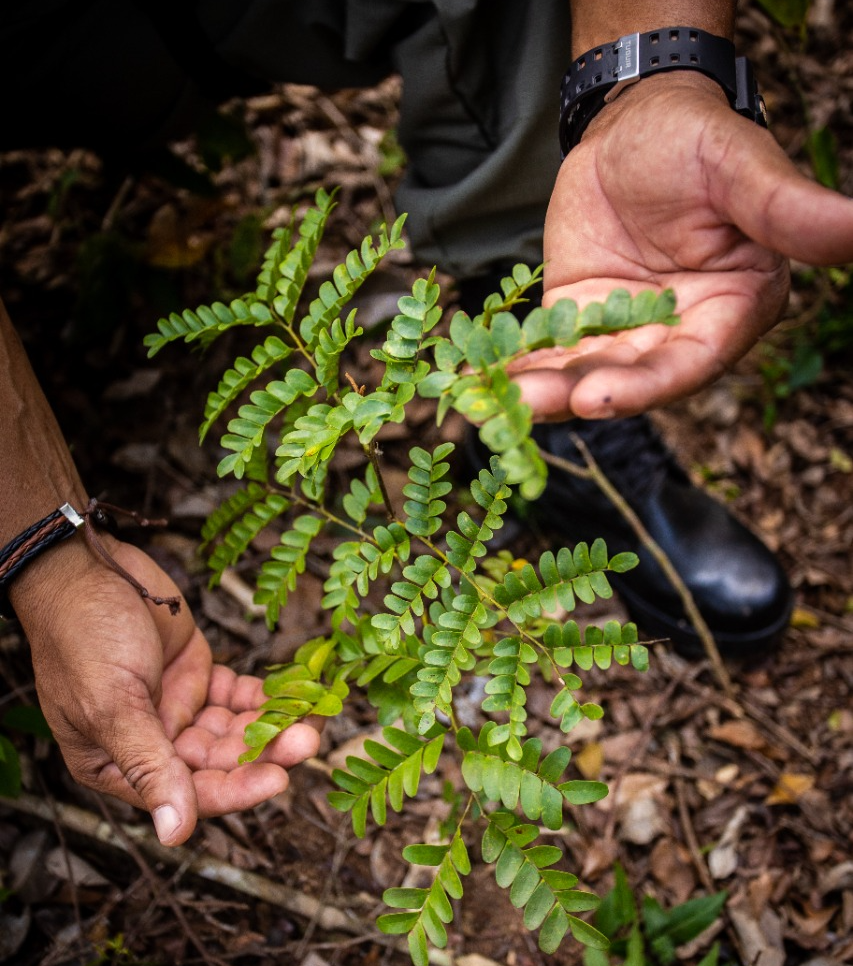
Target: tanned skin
670,188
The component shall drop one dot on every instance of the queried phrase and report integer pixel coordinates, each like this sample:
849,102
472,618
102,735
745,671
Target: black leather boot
736,582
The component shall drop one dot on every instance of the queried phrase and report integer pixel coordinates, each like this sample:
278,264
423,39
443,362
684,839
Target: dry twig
592,471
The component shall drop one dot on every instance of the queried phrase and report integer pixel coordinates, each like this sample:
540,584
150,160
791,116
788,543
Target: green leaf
396,923
405,898
788,13
553,930
418,949
29,720
10,769
425,854
687,921
587,934
712,958
583,792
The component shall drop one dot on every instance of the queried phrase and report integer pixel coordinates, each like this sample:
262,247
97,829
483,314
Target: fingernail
602,412
166,822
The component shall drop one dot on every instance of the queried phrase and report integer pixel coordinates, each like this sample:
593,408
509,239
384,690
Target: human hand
133,698
670,188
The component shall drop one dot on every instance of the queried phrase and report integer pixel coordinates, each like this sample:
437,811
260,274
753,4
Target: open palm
138,707
670,188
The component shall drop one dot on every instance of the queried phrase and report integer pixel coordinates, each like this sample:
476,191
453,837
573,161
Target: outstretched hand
136,704
670,188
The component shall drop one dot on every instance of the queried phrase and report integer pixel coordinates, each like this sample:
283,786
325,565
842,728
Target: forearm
595,22
37,473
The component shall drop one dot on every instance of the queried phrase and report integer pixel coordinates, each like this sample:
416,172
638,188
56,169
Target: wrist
595,23
605,73
667,92
64,567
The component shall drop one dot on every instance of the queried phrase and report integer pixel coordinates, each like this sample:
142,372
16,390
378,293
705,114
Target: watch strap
601,74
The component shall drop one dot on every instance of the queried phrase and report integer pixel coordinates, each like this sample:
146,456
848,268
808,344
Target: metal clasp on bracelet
71,515
627,70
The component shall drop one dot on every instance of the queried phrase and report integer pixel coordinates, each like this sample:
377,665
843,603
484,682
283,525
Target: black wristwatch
601,74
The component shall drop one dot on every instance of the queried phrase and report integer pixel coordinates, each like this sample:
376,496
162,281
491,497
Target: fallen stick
328,917
85,823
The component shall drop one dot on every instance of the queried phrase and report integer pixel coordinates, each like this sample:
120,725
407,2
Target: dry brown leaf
598,858
386,863
172,244
642,807
790,788
839,877
670,864
812,923
727,774
760,937
65,865
620,747
739,734
723,858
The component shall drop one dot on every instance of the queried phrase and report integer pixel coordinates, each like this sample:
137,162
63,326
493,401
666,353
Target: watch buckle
627,69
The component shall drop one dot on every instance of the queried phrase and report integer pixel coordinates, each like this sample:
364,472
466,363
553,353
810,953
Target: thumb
766,196
147,771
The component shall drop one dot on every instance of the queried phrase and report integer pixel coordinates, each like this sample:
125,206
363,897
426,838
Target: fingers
239,692
761,191
216,741
132,759
220,792
212,747
614,385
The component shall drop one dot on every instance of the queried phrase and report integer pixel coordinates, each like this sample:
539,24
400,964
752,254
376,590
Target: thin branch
692,842
327,917
373,455
204,866
593,472
354,139
761,718
156,886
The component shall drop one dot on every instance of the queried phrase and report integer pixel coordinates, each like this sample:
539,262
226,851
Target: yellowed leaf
173,241
590,760
839,460
790,788
804,618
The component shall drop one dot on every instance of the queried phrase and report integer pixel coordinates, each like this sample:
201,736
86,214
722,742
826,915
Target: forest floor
750,794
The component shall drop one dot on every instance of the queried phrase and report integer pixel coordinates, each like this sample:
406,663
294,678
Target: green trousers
478,113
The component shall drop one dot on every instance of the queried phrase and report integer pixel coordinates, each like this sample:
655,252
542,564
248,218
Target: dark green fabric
479,110
478,114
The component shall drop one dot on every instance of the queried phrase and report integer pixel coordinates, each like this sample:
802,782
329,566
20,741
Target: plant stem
593,472
372,450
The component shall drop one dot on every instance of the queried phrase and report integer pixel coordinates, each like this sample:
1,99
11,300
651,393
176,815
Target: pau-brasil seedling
416,604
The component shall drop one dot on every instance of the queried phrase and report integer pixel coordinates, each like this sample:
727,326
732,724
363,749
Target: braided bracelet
63,523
